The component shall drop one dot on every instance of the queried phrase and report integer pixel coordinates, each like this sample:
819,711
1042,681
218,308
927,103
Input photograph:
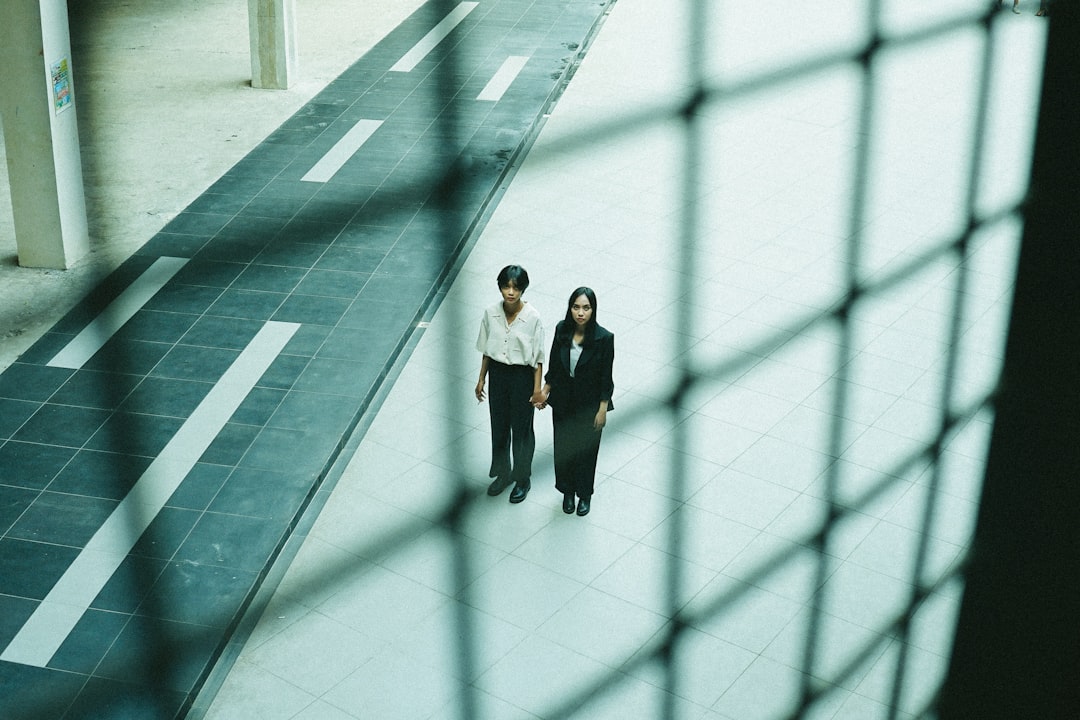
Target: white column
272,30
41,135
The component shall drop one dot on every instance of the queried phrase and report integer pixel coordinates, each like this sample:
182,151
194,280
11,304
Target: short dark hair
514,274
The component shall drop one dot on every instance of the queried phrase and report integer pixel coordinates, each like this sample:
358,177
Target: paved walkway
366,623
161,440
282,336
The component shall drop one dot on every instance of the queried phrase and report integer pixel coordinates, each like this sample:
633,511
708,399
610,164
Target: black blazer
591,381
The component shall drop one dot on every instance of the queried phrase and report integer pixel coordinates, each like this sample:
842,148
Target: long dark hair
568,324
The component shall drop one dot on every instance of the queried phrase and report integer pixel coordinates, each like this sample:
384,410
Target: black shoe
498,485
568,503
583,506
519,493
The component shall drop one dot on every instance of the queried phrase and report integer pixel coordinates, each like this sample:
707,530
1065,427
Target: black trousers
576,446
510,389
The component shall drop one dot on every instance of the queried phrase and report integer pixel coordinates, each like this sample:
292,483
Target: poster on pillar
61,86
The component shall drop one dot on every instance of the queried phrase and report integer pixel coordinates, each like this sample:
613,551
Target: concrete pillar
41,135
272,30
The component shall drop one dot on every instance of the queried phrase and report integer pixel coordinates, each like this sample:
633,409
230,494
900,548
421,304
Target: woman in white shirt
511,343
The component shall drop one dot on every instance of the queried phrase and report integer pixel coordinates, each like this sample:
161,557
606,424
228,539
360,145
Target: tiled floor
366,621
208,408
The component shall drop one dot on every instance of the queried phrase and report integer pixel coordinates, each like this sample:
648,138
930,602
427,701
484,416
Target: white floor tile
655,469
427,490
539,675
769,690
782,463
487,706
803,519
495,522
740,613
431,560
602,627
892,550
705,666
865,597
816,430
436,641
708,539
924,673
780,566
748,408
380,603
250,690
782,380
574,547
857,707
884,452
320,710
393,684
744,498
521,593
315,653
628,510
714,441
362,526
643,577
314,574
631,697
953,520
280,612
843,652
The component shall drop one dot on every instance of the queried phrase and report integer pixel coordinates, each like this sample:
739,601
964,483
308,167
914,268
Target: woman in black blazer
578,387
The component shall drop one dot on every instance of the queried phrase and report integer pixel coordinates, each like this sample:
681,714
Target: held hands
538,399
